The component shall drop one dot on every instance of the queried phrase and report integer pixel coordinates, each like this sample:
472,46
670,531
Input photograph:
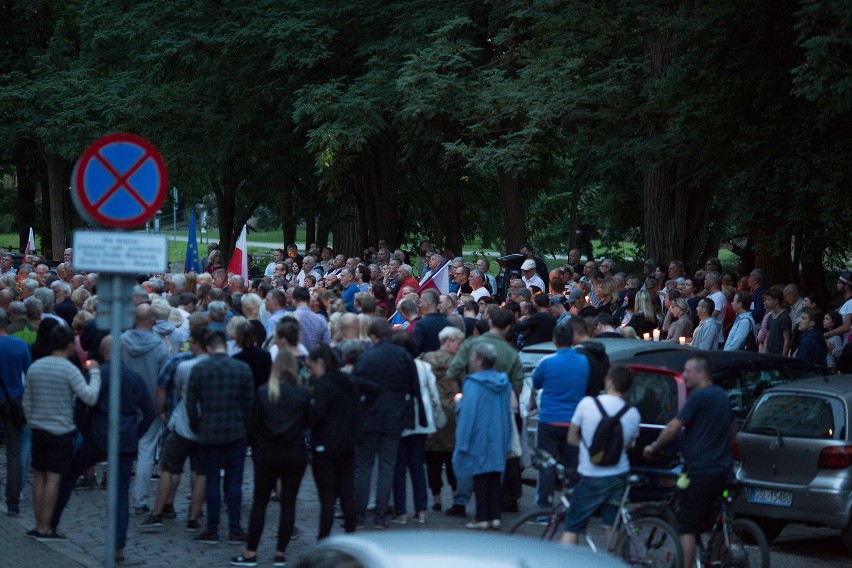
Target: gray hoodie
144,352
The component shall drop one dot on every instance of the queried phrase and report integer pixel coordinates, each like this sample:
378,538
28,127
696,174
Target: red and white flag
439,281
239,260
30,243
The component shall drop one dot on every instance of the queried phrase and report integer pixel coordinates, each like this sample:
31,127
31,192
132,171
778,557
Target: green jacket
507,360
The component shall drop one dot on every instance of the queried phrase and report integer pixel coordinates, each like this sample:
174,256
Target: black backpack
608,440
750,342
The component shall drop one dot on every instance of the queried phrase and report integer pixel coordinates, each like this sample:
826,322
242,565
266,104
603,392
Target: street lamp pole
174,212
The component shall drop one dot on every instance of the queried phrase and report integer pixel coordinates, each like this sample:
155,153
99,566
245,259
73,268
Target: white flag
30,243
239,260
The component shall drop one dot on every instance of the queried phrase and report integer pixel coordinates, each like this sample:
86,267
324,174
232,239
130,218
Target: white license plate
770,497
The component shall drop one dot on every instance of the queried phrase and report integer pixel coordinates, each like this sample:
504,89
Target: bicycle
640,541
732,543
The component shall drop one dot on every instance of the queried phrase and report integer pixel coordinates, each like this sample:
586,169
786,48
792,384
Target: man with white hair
309,266
6,265
63,306
47,302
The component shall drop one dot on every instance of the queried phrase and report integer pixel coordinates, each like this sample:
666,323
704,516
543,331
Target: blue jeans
235,458
591,494
465,489
375,445
553,440
412,457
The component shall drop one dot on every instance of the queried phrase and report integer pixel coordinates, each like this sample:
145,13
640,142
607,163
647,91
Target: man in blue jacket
14,362
562,379
136,401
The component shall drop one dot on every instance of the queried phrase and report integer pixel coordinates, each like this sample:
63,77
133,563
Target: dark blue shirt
707,428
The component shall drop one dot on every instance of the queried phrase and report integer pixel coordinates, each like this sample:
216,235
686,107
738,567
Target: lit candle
646,336
682,340
656,335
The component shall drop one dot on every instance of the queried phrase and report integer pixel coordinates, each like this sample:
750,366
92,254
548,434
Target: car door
781,441
658,394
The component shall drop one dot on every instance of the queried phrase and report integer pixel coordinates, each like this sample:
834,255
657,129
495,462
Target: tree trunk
323,230
573,217
59,177
27,168
288,223
453,225
676,217
345,229
310,230
514,220
775,263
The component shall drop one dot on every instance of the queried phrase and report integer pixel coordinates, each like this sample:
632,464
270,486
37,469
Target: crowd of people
354,367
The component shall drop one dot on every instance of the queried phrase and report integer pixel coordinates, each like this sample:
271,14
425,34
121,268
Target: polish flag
30,243
239,260
439,281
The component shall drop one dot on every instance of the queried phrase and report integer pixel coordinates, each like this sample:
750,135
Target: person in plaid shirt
218,399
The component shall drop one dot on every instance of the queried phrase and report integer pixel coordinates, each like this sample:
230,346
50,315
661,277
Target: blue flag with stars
191,262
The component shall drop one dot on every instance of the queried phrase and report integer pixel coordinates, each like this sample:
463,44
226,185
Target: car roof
618,348
720,361
838,385
430,548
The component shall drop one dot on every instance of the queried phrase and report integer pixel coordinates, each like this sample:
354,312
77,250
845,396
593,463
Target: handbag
438,411
16,411
516,451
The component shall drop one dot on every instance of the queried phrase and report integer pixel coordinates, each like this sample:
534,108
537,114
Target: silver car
446,549
796,457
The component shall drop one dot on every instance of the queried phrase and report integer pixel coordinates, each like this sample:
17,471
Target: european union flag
191,262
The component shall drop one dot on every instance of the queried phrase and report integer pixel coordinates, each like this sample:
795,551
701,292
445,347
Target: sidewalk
84,524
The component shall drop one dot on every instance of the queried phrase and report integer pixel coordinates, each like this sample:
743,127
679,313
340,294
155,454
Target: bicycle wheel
748,546
527,526
650,542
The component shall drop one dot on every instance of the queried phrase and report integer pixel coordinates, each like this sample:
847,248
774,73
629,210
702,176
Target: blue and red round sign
120,181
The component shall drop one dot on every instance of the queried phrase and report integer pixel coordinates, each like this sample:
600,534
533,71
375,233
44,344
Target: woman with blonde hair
682,324
191,283
607,292
79,297
276,428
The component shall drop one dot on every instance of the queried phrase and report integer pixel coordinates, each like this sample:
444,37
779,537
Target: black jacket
136,414
280,425
598,366
390,409
336,405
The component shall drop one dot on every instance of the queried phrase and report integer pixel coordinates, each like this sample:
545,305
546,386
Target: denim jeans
591,494
235,457
553,440
465,489
384,447
411,457
14,467
145,463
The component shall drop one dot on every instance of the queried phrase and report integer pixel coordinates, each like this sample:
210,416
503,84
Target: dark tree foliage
677,123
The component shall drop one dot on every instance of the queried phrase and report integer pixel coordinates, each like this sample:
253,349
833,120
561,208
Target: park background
650,128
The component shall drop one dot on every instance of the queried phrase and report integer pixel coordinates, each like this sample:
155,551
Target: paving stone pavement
84,524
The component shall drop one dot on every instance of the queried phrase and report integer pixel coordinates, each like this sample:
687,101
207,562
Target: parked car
795,457
447,549
659,392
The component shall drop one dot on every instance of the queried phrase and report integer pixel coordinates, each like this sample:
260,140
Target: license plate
770,497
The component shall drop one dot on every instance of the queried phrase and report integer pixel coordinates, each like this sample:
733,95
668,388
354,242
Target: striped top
48,394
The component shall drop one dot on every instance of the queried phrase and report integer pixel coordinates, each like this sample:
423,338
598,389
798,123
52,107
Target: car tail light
835,457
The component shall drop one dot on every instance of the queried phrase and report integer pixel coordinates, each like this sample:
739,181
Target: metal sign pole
114,416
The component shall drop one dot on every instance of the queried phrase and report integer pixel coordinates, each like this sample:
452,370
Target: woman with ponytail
277,424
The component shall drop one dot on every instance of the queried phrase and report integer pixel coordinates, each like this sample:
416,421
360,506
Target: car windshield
796,415
655,396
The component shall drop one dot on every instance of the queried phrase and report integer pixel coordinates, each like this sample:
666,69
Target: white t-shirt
721,305
844,311
535,281
479,293
587,417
